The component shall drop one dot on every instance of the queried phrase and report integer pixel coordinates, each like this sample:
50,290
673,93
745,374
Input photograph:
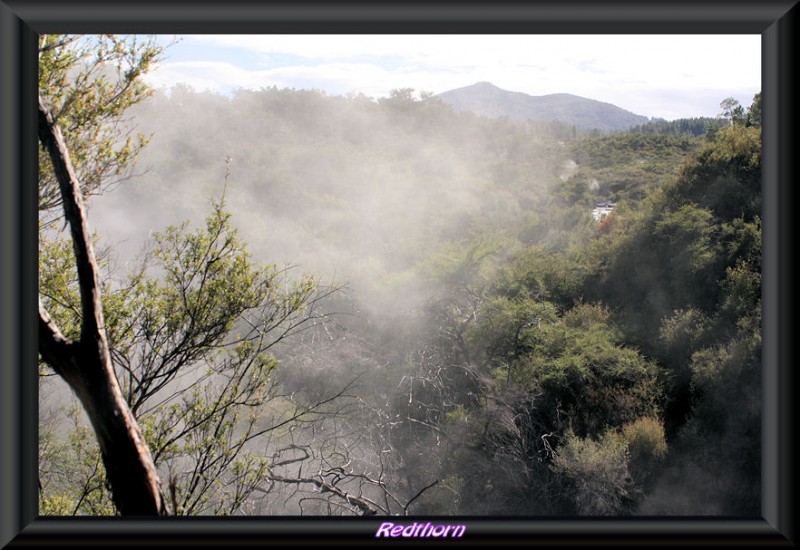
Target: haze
507,348
658,76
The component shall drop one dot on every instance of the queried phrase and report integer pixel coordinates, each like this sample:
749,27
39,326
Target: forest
306,304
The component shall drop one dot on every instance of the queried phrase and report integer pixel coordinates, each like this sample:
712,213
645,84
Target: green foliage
89,82
687,267
625,166
579,364
682,127
754,112
726,175
686,237
72,479
680,335
186,320
720,445
742,291
732,111
457,415
534,361
683,263
206,314
540,274
624,148
459,264
675,251
58,286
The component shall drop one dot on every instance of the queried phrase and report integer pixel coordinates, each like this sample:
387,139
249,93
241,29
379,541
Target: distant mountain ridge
488,100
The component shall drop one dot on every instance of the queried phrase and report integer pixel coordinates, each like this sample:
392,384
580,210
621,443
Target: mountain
488,100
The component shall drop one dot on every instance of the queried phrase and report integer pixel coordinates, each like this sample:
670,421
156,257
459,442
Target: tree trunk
86,365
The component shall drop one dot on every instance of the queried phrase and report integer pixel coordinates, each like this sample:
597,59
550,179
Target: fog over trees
344,305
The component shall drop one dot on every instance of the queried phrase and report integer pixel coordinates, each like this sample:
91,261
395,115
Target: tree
85,364
209,274
754,112
198,388
732,110
173,364
87,83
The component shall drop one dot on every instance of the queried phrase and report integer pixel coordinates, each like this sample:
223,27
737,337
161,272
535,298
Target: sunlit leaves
89,82
190,333
72,479
646,438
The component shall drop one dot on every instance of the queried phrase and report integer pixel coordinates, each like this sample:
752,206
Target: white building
602,209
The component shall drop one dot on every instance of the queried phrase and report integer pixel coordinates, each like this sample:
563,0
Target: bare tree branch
367,507
419,494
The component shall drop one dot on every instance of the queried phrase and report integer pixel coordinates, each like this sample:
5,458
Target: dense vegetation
502,351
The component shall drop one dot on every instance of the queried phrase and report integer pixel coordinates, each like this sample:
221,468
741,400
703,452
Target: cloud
654,75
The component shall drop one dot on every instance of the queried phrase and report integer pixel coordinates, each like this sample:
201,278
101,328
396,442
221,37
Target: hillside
488,100
497,350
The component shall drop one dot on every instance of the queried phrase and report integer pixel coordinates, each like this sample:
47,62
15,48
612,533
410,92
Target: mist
461,267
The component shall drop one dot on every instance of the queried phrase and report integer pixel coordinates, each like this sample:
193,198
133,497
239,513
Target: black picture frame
22,20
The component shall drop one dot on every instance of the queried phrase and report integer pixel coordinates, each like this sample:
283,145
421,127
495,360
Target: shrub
646,438
599,470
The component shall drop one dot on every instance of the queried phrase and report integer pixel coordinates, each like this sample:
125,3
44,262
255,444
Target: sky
658,76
